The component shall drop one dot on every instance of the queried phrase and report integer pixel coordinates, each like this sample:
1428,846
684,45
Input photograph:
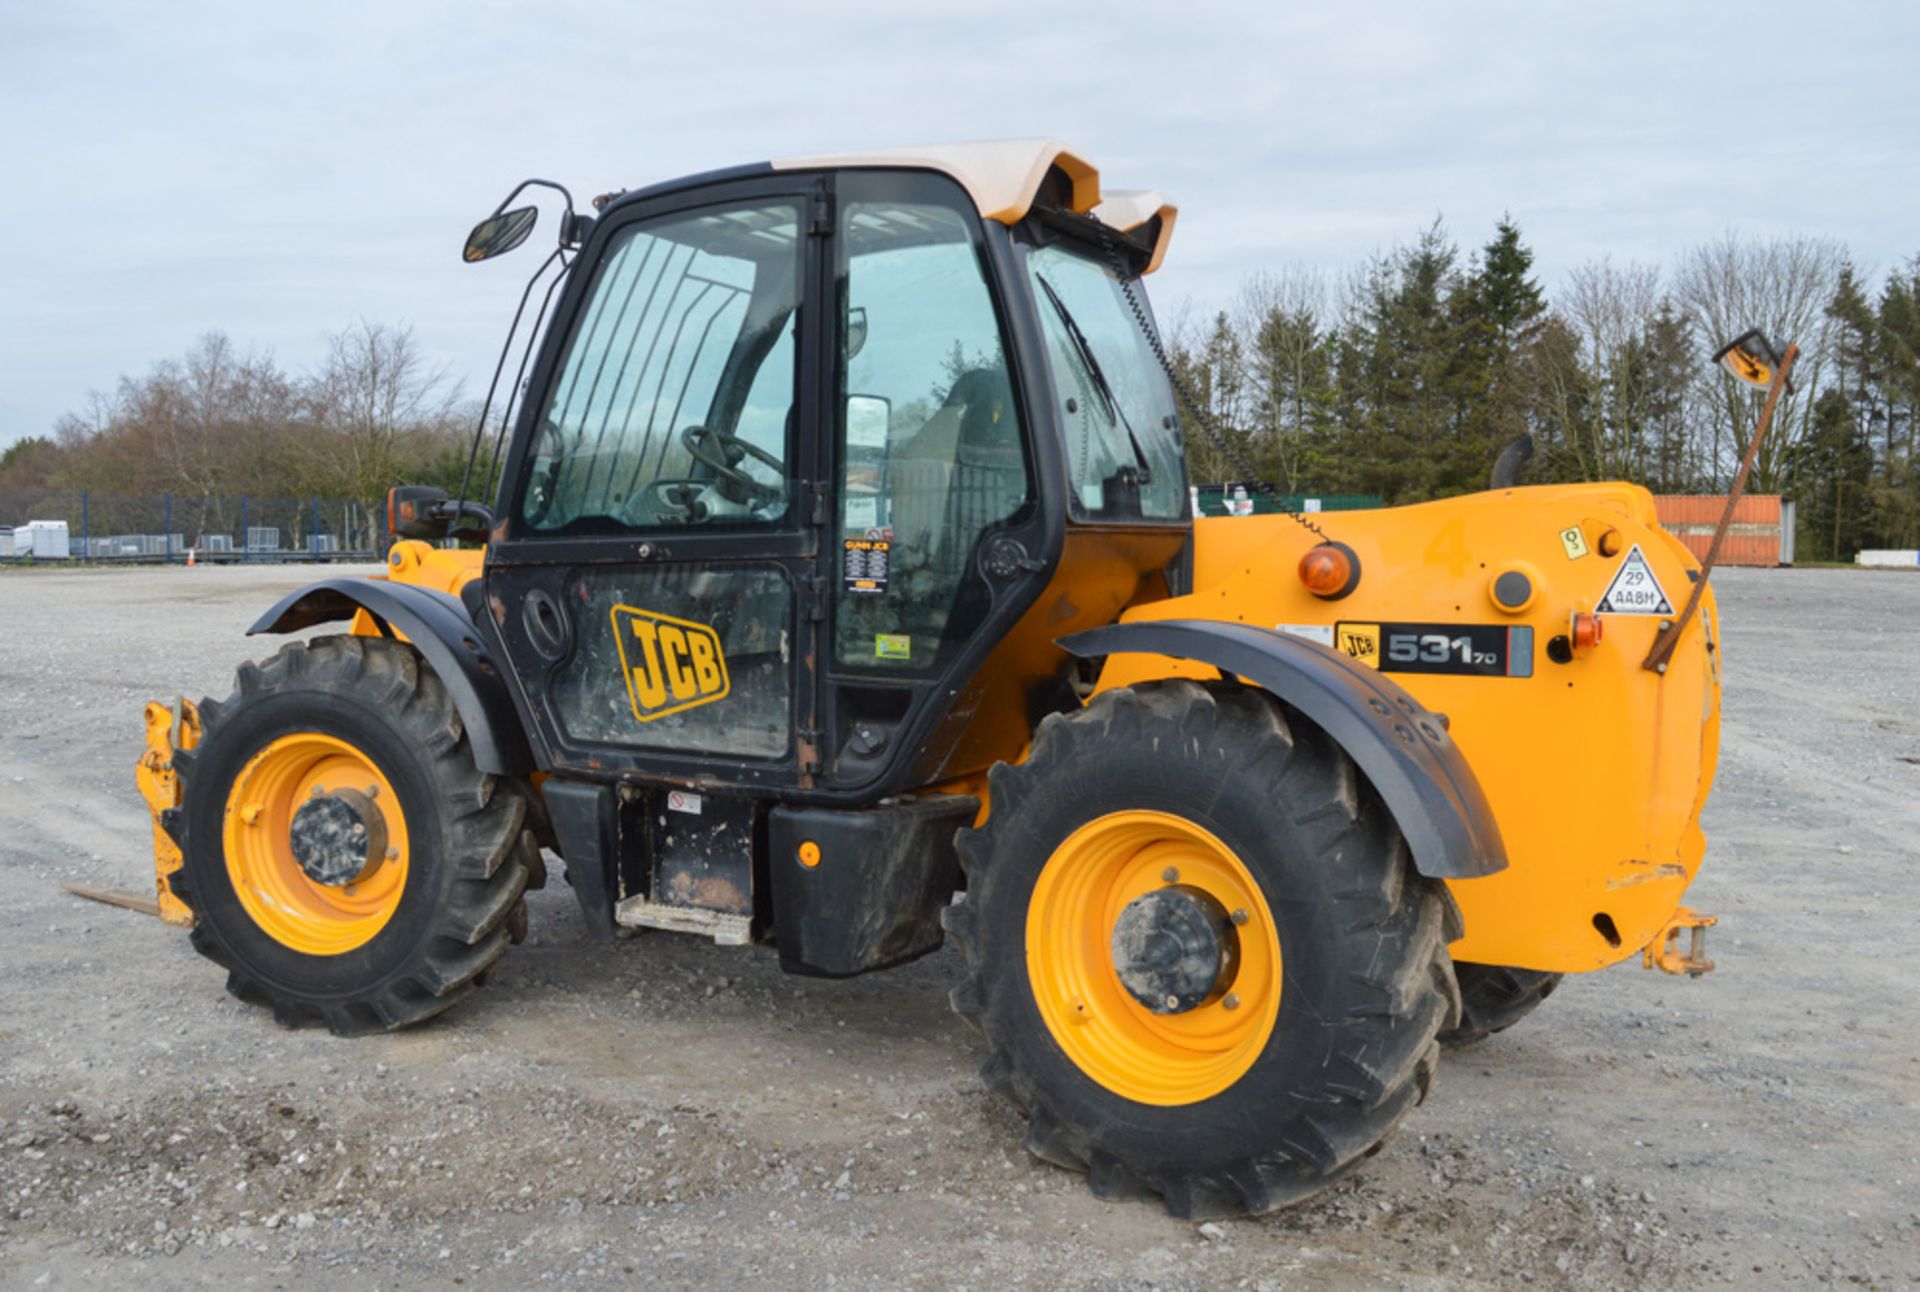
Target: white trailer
46,541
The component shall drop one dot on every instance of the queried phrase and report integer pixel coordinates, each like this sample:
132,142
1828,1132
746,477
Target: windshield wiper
1111,402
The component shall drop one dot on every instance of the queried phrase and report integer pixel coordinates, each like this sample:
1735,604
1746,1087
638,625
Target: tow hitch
1664,954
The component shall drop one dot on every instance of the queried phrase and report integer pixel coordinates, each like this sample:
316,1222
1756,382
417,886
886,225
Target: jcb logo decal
1361,641
670,664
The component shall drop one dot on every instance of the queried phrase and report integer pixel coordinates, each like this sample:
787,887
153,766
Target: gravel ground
668,1112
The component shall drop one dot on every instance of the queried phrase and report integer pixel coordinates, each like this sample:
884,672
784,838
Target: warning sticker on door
1634,590
1574,541
865,564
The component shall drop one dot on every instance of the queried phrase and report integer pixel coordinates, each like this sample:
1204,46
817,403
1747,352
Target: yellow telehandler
842,591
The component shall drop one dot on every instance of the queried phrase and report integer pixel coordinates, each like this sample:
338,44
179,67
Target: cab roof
1005,176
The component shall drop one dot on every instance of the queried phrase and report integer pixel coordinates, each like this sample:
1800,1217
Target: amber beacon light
1330,571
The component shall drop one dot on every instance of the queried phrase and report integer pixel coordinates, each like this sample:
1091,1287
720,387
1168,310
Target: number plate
1477,650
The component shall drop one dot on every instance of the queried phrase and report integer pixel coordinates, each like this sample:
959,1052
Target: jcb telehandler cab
842,588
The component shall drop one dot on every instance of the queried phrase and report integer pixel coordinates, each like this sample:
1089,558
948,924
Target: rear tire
1495,997
413,942
1350,1046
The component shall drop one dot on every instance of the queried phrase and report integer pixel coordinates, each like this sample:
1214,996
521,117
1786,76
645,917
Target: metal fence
1240,500
174,528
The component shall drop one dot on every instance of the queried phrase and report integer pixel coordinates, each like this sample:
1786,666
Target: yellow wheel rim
1163,1059
292,909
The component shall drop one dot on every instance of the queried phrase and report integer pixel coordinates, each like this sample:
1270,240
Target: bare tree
1782,286
1601,388
374,392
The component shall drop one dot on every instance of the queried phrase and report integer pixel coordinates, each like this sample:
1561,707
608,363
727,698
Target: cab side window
931,450
673,404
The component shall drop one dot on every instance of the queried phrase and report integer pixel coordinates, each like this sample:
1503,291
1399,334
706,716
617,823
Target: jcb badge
670,664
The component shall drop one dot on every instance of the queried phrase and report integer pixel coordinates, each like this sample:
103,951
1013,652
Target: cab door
936,521
654,583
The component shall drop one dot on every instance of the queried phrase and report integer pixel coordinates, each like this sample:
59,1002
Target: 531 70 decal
1475,650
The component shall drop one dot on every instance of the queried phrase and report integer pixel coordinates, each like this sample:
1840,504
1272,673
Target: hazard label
1634,590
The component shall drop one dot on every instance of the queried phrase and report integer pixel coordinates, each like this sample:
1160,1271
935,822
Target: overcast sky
279,171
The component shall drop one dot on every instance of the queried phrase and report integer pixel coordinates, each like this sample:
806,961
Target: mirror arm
569,226
468,519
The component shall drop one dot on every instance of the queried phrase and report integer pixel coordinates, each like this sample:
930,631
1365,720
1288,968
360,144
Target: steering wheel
672,501
722,454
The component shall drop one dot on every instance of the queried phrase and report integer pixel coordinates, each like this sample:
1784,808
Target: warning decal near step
1634,589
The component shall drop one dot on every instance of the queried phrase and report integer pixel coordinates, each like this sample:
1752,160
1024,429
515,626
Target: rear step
726,930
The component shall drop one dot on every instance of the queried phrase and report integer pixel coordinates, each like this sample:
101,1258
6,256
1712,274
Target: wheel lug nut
393,854
1171,874
1240,916
1173,1002
1231,1001
373,791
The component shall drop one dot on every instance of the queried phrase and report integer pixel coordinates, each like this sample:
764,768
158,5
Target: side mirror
412,512
869,420
856,330
426,513
498,234
1751,358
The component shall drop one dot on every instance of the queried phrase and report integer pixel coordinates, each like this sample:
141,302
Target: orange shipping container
1761,532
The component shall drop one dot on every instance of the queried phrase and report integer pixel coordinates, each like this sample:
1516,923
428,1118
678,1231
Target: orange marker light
1587,630
809,854
1329,571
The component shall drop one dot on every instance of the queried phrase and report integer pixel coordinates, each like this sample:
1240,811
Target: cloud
280,171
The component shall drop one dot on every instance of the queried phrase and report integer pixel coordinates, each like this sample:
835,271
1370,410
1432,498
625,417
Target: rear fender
1404,750
439,627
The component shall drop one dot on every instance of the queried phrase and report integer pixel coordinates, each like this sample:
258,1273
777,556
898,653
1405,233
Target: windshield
1123,435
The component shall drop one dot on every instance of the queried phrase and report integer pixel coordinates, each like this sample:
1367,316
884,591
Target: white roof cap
1003,177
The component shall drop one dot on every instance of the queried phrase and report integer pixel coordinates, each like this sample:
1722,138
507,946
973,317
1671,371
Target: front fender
1404,750
440,629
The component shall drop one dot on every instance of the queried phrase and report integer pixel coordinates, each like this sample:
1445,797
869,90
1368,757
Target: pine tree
1503,294
1497,310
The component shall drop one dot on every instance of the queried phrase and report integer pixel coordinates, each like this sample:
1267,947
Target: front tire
1336,962
436,853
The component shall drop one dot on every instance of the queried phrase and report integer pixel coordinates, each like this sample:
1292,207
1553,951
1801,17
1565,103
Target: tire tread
1391,1005
484,826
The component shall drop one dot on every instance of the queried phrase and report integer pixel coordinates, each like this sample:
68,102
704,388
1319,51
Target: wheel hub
337,837
1175,949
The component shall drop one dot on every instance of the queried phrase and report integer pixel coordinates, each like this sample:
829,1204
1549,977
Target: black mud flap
854,891
588,825
1399,746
